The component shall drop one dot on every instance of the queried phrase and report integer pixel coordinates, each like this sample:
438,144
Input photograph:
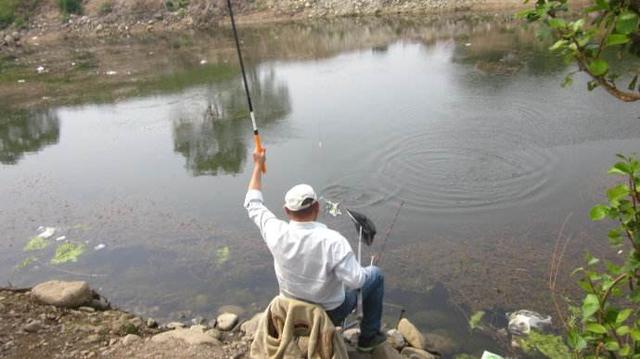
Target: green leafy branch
607,322
606,27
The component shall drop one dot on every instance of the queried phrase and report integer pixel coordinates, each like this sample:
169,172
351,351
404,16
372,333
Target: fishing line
256,134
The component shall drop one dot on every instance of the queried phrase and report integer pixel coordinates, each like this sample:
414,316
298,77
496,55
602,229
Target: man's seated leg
372,299
339,314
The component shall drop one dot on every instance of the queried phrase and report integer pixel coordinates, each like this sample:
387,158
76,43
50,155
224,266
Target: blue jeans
372,293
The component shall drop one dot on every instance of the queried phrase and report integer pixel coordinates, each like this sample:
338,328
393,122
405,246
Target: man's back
311,261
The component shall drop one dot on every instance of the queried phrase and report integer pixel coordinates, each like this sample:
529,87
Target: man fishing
314,263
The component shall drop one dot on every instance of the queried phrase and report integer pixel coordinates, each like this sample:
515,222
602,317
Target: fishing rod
256,134
388,232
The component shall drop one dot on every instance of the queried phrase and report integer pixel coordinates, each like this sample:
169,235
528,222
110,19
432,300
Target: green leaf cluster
605,29
607,323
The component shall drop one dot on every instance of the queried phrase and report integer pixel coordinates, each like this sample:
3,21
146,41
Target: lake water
462,119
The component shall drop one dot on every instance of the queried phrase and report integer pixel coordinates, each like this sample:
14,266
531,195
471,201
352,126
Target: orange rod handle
259,148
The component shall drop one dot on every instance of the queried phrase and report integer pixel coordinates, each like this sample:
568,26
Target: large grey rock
193,336
411,334
395,339
413,353
440,343
227,321
62,294
250,326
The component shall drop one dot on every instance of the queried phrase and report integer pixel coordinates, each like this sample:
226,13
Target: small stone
192,336
250,327
129,339
395,339
351,335
136,322
175,325
227,321
33,326
198,320
151,323
411,334
87,309
93,338
99,28
112,341
214,333
16,36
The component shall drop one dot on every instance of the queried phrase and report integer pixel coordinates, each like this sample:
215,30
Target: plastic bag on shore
490,355
522,321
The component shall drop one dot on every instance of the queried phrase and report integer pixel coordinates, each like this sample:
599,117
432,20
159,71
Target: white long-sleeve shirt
312,262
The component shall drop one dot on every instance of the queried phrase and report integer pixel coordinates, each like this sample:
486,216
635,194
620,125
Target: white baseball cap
300,197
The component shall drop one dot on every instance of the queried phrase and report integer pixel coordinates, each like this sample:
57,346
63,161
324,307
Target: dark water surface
462,119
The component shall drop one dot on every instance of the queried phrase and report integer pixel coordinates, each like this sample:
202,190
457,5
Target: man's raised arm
266,221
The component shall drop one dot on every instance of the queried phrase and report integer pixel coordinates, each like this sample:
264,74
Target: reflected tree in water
213,136
26,131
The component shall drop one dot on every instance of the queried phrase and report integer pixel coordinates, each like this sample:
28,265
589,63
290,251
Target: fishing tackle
256,134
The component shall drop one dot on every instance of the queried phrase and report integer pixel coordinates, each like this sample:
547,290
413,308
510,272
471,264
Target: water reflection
26,131
212,134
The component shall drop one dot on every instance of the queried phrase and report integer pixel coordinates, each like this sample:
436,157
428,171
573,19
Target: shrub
607,322
175,5
106,7
70,6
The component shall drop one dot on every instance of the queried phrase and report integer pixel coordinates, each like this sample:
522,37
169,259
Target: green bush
106,7
8,10
70,6
16,12
175,5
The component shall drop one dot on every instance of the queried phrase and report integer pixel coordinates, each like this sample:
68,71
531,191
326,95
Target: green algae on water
67,252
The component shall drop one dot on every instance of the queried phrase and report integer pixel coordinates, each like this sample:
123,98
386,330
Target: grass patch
70,6
106,7
16,11
175,5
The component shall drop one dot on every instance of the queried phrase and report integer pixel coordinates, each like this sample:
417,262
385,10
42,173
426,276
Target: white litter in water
100,246
521,321
46,232
203,62
111,73
61,238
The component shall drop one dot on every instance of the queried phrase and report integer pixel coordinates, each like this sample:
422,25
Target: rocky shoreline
59,319
123,19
